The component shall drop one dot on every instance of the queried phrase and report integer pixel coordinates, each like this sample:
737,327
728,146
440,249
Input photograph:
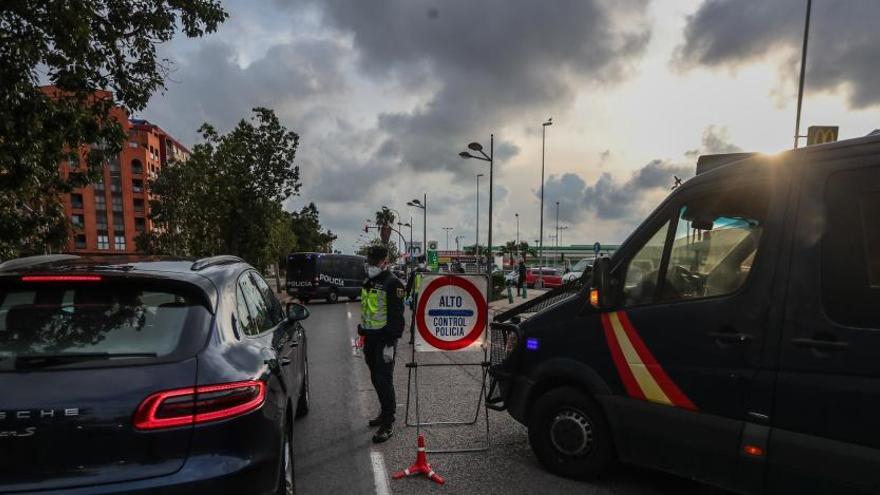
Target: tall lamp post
797,123
424,207
447,229
544,127
477,147
517,234
478,219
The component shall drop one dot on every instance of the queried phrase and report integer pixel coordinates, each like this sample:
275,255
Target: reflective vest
417,284
374,308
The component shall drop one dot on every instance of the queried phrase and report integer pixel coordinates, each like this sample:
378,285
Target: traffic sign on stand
452,313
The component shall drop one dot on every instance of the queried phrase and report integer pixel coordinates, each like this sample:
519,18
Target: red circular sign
472,335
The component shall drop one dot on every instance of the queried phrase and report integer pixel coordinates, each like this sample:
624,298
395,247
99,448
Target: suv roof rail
18,263
223,259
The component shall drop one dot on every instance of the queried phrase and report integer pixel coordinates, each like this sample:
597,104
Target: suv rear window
97,321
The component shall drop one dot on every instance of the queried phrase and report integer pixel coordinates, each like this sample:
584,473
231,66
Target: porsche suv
144,375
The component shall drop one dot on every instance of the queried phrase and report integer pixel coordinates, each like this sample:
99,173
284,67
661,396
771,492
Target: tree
310,235
393,253
384,220
226,199
79,46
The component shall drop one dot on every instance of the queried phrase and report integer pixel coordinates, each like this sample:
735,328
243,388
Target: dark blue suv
145,375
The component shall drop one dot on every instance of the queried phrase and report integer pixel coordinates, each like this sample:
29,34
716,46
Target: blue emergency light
532,344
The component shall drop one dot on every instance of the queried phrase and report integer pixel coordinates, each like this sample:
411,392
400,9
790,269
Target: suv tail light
196,405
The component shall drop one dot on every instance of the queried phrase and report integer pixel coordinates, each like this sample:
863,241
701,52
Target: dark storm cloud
210,86
609,198
484,65
843,41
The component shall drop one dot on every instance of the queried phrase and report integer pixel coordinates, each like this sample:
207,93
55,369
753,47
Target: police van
325,276
734,338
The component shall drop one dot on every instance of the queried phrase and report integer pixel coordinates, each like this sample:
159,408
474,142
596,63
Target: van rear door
825,437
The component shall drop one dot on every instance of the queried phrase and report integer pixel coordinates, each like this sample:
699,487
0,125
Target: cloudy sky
385,93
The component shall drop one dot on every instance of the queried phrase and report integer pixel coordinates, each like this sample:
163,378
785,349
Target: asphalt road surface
334,453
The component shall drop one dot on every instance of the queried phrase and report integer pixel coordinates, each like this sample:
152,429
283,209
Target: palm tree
385,218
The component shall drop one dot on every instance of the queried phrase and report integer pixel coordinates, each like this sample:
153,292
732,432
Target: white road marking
380,475
348,313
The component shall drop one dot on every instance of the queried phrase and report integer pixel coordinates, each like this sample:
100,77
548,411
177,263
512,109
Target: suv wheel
569,434
333,297
302,405
287,483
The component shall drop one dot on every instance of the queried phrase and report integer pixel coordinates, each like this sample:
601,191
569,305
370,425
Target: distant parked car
577,271
548,277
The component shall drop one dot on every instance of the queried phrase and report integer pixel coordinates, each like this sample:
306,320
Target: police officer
381,325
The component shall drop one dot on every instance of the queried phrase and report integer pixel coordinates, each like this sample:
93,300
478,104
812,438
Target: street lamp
447,229
477,147
797,123
424,206
478,219
541,228
457,239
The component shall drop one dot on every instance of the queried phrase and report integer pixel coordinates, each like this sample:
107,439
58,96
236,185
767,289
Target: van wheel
354,298
569,434
302,405
333,297
304,300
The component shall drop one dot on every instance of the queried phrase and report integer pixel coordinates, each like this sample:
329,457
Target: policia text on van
734,338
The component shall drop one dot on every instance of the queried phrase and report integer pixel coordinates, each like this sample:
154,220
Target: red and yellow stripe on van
642,375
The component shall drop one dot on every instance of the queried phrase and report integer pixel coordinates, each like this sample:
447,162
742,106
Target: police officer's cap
377,254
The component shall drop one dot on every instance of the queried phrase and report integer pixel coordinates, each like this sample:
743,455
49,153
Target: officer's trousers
382,373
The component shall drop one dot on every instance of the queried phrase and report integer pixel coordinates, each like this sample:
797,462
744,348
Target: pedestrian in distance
521,277
381,326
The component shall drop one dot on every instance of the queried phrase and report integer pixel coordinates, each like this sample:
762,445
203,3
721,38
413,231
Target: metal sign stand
412,383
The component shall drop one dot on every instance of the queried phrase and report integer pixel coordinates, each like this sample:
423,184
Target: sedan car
134,375
543,277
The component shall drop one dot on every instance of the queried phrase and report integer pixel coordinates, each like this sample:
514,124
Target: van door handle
734,337
823,344
285,361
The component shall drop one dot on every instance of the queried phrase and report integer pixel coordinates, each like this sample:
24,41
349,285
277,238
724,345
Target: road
334,453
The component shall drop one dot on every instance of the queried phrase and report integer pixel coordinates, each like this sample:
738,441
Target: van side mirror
601,291
296,312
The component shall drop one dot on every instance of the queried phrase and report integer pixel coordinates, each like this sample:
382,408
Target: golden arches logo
820,134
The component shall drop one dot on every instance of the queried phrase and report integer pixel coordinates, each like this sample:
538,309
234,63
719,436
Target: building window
79,241
115,184
119,242
76,201
138,206
140,224
77,220
137,167
100,202
103,242
137,185
117,203
99,186
118,222
113,165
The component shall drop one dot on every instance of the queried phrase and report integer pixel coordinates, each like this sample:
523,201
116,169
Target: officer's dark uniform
382,324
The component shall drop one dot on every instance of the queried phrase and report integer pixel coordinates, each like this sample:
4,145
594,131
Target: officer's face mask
372,271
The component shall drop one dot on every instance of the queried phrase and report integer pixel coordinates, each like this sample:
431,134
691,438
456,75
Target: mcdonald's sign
820,134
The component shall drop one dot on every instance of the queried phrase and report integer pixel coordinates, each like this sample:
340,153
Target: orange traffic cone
421,466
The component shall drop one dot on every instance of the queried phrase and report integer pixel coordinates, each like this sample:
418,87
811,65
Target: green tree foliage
80,46
510,247
385,220
226,199
310,235
393,253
